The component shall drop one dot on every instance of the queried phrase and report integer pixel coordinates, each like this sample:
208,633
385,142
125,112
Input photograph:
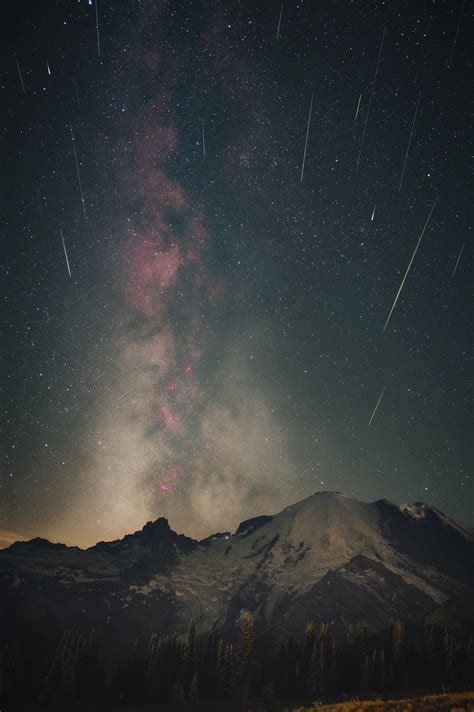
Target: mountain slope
328,557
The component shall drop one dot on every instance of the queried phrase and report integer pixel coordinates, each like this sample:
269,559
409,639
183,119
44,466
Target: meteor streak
456,35
457,261
78,174
97,26
378,403
279,21
409,264
20,74
65,253
409,142
306,142
370,99
358,107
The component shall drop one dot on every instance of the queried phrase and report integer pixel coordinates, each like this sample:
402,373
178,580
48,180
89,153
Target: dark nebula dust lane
209,210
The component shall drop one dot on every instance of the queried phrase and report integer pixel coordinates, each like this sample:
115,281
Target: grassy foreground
449,702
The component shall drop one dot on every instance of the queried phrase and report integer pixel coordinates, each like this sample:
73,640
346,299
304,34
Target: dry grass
449,702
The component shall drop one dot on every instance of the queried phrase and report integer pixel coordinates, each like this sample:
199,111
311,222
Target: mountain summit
326,558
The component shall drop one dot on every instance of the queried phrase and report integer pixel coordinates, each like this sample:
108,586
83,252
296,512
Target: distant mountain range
327,558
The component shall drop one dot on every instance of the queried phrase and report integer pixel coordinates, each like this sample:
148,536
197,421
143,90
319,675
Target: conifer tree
89,675
245,662
365,679
189,655
312,682
308,645
268,696
398,634
221,666
229,668
381,669
447,656
193,695
151,665
332,677
190,645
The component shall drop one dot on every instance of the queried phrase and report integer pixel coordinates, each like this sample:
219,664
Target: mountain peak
158,526
154,534
36,544
319,495
157,532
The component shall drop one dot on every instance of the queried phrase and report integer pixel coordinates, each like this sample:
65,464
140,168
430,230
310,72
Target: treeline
167,670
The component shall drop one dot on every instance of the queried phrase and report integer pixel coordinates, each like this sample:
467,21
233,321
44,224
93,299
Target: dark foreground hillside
447,702
209,674
443,702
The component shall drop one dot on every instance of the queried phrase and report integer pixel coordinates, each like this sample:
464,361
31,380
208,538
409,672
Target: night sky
218,349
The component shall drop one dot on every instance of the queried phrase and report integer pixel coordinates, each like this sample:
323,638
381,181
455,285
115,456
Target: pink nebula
172,386
169,418
173,472
152,269
170,475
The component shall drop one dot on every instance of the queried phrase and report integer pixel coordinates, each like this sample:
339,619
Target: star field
217,349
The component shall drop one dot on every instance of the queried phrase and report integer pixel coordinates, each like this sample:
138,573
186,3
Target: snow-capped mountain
328,557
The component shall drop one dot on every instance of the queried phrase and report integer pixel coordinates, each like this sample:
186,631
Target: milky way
206,341
194,442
